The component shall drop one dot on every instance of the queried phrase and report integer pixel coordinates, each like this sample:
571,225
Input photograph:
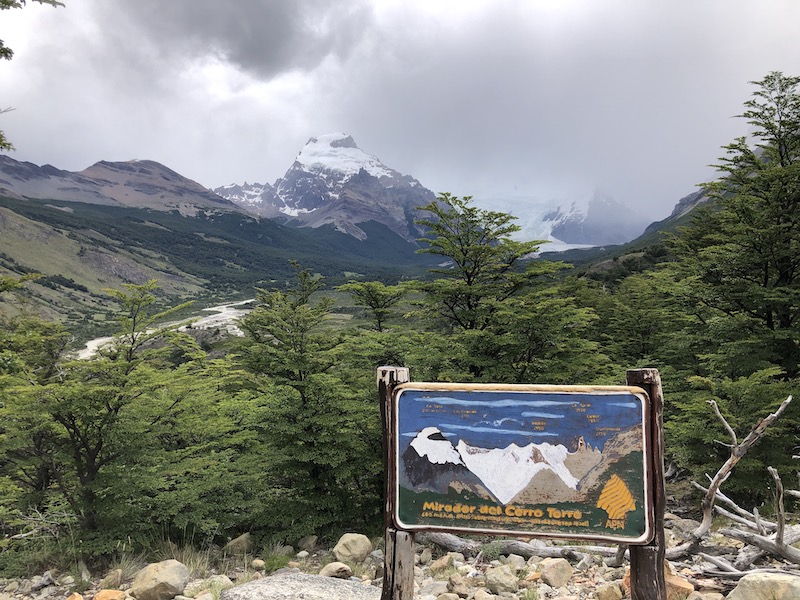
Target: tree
485,271
85,429
322,469
7,53
377,297
740,257
738,276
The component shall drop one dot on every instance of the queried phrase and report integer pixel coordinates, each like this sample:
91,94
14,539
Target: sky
516,101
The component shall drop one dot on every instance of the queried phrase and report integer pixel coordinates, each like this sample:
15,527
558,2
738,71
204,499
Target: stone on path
291,586
160,581
336,569
112,581
109,595
501,579
353,547
767,586
609,591
556,572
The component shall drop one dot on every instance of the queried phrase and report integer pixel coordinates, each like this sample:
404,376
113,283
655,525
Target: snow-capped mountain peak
338,152
431,443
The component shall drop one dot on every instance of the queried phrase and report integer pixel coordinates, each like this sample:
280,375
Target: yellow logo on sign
617,501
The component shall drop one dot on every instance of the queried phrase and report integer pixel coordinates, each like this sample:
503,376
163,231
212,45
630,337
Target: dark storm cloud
262,37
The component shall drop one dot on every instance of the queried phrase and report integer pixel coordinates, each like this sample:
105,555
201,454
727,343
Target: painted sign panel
526,460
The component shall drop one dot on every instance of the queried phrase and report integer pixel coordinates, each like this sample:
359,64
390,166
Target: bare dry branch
725,424
778,505
790,553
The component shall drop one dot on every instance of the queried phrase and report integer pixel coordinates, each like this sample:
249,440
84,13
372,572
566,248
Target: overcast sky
522,100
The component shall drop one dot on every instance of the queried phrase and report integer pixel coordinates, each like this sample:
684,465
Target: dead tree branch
738,451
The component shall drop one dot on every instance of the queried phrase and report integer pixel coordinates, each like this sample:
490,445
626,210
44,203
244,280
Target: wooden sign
546,461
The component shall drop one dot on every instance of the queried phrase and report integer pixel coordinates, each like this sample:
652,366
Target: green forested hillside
280,435
85,248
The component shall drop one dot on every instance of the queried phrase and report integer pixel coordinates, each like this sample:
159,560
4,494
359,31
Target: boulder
678,588
195,588
290,586
257,564
354,547
336,569
240,545
160,581
767,586
441,564
109,595
501,579
307,543
556,572
112,580
457,585
609,591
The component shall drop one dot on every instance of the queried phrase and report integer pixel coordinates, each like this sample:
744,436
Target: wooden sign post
647,560
569,462
398,575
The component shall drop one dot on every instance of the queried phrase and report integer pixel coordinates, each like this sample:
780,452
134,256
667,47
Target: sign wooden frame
646,559
540,470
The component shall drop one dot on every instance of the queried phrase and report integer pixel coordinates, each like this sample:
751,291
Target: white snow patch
439,452
319,155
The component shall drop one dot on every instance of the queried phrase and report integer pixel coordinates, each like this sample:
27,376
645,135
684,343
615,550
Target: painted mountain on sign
528,473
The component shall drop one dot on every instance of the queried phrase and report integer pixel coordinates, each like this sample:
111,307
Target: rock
302,554
501,579
160,581
219,582
433,588
767,586
74,596
484,595
257,564
516,562
112,581
240,545
85,575
290,586
307,543
39,583
448,596
425,556
556,572
678,588
442,564
353,547
609,591
457,585
109,595
336,569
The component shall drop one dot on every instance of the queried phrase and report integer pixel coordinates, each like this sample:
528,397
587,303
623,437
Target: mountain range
337,210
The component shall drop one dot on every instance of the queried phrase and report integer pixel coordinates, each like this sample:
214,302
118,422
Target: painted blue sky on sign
496,419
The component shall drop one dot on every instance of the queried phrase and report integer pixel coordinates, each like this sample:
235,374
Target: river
223,316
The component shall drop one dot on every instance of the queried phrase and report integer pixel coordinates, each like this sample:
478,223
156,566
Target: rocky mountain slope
136,183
